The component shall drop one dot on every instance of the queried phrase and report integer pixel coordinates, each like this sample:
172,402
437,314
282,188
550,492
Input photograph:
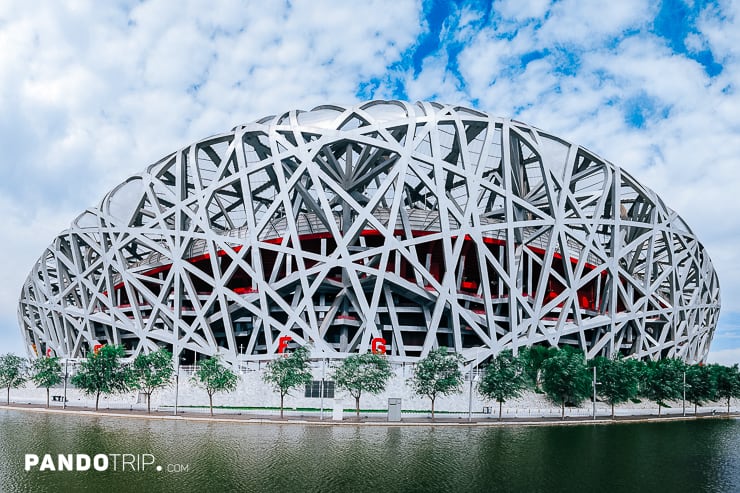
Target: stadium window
313,389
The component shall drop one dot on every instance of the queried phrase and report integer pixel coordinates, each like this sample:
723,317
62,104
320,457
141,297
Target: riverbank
253,398
254,417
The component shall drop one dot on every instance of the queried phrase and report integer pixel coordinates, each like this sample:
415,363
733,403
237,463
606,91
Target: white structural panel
422,224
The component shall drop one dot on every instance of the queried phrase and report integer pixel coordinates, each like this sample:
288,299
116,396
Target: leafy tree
727,380
503,379
438,374
532,359
290,371
565,378
618,380
363,373
12,372
700,385
641,371
102,373
47,372
214,377
664,381
152,371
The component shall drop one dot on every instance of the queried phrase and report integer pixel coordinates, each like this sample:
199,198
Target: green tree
503,379
290,371
700,385
565,378
362,373
618,380
727,381
213,377
47,372
12,372
103,373
641,371
532,359
664,381
438,374
152,371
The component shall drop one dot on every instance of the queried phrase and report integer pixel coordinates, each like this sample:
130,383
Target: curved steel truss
424,225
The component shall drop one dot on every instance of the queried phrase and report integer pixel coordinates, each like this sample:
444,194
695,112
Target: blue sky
91,92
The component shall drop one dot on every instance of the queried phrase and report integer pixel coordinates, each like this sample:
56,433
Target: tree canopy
664,381
565,378
287,372
152,371
12,372
101,372
47,372
363,373
700,386
727,380
503,379
532,358
617,380
438,374
213,377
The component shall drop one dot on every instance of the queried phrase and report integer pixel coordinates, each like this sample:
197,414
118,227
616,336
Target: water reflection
679,456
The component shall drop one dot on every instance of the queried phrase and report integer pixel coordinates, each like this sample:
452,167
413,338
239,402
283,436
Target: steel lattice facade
423,224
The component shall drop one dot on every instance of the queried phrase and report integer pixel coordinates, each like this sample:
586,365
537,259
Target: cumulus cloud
91,92
604,77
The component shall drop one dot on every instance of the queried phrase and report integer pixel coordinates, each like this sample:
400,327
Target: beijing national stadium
388,227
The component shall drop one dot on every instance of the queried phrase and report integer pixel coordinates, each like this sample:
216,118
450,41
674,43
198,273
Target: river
691,456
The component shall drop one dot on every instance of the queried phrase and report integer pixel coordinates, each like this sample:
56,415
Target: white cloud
583,71
92,92
522,11
726,357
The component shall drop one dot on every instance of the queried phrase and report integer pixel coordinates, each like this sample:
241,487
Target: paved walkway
254,417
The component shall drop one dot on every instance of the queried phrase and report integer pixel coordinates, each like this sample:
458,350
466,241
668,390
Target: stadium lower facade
388,227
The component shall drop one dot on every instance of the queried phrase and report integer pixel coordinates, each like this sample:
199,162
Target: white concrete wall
253,392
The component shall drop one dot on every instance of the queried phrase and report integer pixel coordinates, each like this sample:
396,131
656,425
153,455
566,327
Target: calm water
679,456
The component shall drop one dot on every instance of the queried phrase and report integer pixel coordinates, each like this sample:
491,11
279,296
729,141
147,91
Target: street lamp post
684,392
321,388
470,395
66,375
594,387
177,385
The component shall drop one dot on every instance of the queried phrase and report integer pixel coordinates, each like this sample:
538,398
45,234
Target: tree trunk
728,406
357,407
282,397
210,402
612,410
8,401
97,400
149,403
696,408
500,405
562,409
47,397
659,410
432,409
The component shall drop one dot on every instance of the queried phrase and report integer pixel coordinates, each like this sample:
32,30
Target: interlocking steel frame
423,224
